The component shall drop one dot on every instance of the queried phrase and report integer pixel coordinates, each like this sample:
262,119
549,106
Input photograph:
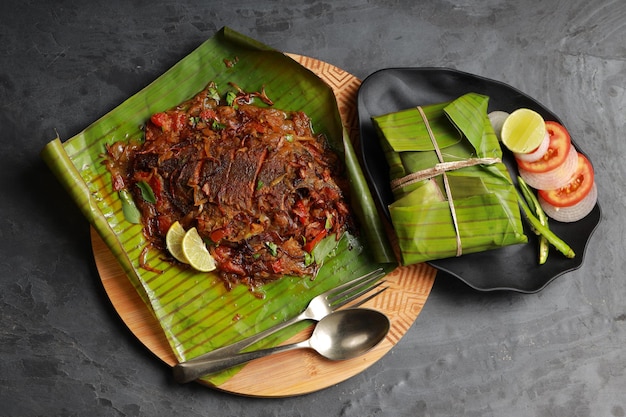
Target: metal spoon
341,335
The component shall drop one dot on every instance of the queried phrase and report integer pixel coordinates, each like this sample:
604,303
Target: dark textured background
65,352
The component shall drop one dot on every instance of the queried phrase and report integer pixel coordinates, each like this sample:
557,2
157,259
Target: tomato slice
558,149
579,186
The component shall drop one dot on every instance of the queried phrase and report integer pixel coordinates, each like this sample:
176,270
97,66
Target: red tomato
308,247
208,114
301,210
161,120
278,266
558,149
164,223
169,120
577,189
118,181
219,234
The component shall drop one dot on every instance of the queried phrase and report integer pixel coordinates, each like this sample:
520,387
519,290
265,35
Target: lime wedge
174,241
196,252
523,131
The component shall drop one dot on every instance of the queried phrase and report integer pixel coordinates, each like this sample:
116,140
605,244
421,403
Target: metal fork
318,308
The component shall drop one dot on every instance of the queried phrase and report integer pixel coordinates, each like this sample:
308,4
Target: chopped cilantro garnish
217,125
308,259
272,248
230,97
213,92
329,222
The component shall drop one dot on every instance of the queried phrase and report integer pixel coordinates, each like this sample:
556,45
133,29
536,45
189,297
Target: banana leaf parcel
452,193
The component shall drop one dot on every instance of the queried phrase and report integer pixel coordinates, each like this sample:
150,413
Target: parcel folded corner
482,196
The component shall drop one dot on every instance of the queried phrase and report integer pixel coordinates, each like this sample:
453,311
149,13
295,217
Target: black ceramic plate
510,268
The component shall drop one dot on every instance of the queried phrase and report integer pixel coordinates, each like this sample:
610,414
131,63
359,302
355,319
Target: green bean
532,201
544,249
545,231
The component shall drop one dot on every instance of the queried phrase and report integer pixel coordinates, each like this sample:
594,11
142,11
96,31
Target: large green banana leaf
484,198
195,310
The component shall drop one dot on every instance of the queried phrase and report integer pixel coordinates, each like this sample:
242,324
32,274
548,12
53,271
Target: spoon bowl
343,334
348,333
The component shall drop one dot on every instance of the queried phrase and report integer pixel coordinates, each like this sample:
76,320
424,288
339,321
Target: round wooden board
295,372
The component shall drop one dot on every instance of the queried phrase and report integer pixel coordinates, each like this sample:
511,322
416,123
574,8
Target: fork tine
346,287
369,297
342,301
356,289
352,286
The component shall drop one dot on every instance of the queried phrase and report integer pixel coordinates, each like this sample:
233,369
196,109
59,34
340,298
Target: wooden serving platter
295,372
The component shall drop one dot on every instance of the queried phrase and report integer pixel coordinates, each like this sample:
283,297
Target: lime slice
196,252
523,131
174,241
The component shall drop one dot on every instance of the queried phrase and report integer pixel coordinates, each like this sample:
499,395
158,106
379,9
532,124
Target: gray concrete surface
65,352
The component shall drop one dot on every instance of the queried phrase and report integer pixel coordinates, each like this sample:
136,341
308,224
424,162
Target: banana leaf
479,190
196,311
